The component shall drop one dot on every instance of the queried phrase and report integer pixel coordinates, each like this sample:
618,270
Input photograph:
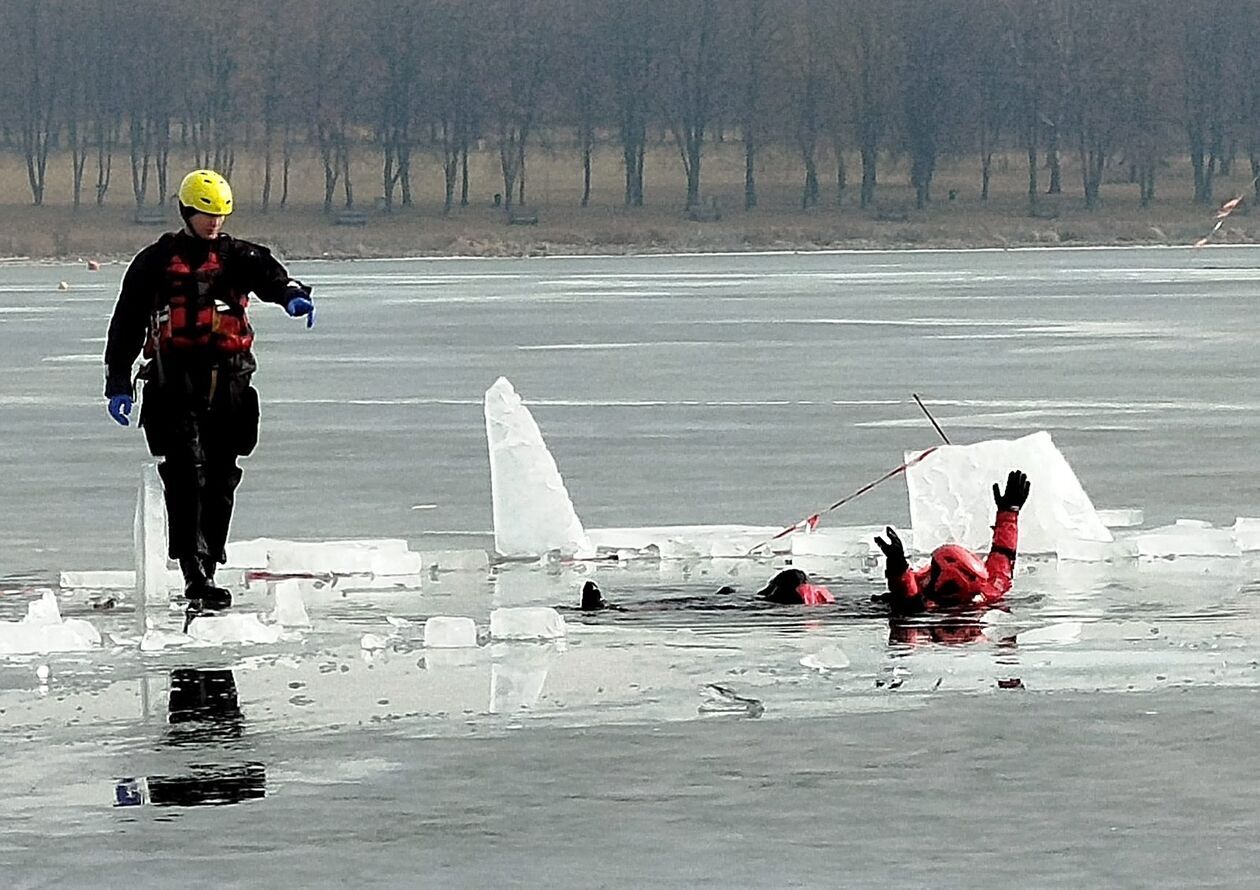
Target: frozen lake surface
749,389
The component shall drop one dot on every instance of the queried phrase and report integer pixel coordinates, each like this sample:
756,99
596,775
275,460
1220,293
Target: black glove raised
894,552
1017,486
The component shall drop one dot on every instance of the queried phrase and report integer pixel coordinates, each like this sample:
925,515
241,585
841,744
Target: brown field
554,189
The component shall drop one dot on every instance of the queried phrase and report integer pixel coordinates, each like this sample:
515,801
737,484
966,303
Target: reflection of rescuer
183,301
955,577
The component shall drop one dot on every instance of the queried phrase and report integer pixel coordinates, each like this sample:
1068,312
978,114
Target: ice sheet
1187,538
388,556
951,499
1121,518
44,630
152,576
455,560
98,580
842,541
533,513
687,541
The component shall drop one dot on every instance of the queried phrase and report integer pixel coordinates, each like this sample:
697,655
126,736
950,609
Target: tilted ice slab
44,630
951,499
533,513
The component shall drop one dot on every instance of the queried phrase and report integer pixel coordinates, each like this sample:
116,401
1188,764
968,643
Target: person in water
955,577
791,587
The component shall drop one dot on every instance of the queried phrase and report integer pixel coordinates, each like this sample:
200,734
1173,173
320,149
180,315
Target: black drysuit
199,411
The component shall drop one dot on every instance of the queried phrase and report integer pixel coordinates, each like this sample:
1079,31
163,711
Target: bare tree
633,53
690,82
37,81
515,62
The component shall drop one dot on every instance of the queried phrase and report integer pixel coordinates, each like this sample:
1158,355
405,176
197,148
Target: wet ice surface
671,390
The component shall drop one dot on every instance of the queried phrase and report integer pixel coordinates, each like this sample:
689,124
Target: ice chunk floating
532,510
44,630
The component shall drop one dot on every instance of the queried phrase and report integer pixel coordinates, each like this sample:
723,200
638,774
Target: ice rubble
44,630
532,510
951,501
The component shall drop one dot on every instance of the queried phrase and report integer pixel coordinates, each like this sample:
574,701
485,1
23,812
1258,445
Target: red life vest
197,308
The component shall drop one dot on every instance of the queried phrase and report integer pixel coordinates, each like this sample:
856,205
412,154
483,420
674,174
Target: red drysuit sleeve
1001,560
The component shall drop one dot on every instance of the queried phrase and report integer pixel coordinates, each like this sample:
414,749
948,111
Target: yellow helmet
206,192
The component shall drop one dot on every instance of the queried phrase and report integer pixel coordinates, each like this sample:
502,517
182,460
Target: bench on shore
151,216
350,218
522,216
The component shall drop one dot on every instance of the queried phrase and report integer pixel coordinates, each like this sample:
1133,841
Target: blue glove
302,305
120,408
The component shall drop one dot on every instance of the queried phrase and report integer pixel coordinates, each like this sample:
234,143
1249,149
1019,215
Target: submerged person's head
592,597
956,575
793,587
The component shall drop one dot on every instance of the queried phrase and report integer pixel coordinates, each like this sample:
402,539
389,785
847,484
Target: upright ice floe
951,496
150,537
533,514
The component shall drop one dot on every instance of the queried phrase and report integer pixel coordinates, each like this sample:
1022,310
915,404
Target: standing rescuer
183,301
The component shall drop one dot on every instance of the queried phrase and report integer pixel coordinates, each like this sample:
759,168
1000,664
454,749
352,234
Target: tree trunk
869,160
287,148
586,169
1052,162
463,162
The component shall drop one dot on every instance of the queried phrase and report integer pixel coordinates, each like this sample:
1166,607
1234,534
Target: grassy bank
301,230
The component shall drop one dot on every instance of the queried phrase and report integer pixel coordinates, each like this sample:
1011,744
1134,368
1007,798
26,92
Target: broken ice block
44,630
447,632
526,623
531,507
951,499
1187,537
1247,533
232,628
152,578
290,609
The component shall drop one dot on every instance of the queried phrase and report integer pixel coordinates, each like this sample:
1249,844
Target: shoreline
662,251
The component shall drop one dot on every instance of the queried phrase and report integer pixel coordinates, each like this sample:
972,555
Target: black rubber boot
199,588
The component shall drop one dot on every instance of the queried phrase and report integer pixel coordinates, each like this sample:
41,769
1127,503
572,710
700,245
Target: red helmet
956,572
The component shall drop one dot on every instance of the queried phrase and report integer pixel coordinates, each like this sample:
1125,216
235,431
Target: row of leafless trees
1110,84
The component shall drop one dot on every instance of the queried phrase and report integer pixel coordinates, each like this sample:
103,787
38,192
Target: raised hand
894,552
1016,494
